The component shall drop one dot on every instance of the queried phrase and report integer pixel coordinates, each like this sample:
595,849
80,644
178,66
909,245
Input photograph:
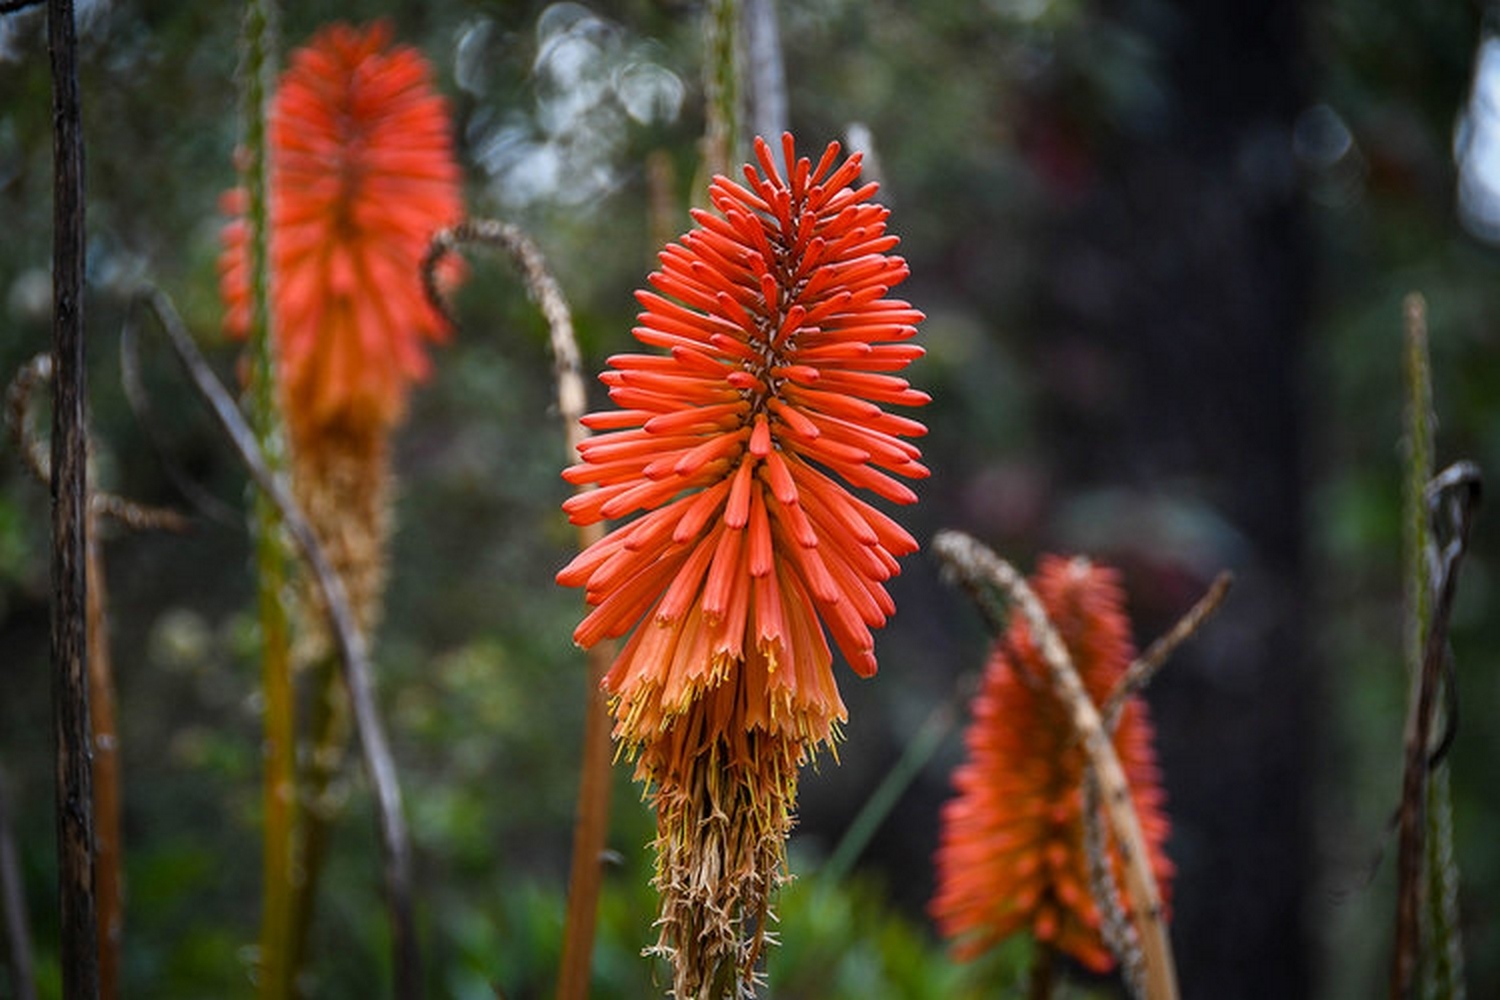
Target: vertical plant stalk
279,790
109,882
109,885
328,728
353,654
13,905
591,824
1417,586
766,73
974,562
79,944
721,78
1041,981
1424,865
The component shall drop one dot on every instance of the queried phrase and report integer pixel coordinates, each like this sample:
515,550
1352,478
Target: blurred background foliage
1162,248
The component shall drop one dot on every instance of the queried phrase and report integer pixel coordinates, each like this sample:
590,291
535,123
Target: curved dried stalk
591,825
353,656
33,451
974,562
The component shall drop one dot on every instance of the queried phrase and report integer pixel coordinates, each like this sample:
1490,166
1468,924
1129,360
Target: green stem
880,803
329,727
271,557
722,85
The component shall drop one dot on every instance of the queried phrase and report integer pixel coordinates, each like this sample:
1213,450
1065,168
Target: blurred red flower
362,175
1011,855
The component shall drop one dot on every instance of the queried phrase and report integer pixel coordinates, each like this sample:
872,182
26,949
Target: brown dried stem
1140,672
974,562
33,451
106,785
349,642
591,825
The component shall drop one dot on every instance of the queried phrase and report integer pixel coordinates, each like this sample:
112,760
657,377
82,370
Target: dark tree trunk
1173,341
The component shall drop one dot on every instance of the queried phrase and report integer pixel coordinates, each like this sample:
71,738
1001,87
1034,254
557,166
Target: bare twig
1114,925
12,6
70,522
18,397
1140,672
349,641
17,411
108,878
13,905
109,869
973,561
591,825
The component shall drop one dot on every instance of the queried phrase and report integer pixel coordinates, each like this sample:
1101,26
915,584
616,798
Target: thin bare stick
349,641
591,826
1140,672
1114,925
109,883
13,905
973,561
109,868
79,951
18,411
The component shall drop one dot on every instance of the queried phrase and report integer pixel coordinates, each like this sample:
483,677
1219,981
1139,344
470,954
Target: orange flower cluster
1012,852
362,175
739,442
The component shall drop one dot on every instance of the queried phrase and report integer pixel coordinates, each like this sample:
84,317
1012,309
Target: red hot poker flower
1012,855
739,443
780,347
362,175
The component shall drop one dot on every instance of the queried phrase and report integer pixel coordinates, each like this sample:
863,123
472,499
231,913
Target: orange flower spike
738,447
1011,855
362,175
770,312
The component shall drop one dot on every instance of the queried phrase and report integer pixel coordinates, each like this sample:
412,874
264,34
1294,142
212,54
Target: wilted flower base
725,800
342,479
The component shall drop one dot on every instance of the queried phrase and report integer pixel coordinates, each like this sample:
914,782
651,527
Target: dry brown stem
349,642
1140,672
974,562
